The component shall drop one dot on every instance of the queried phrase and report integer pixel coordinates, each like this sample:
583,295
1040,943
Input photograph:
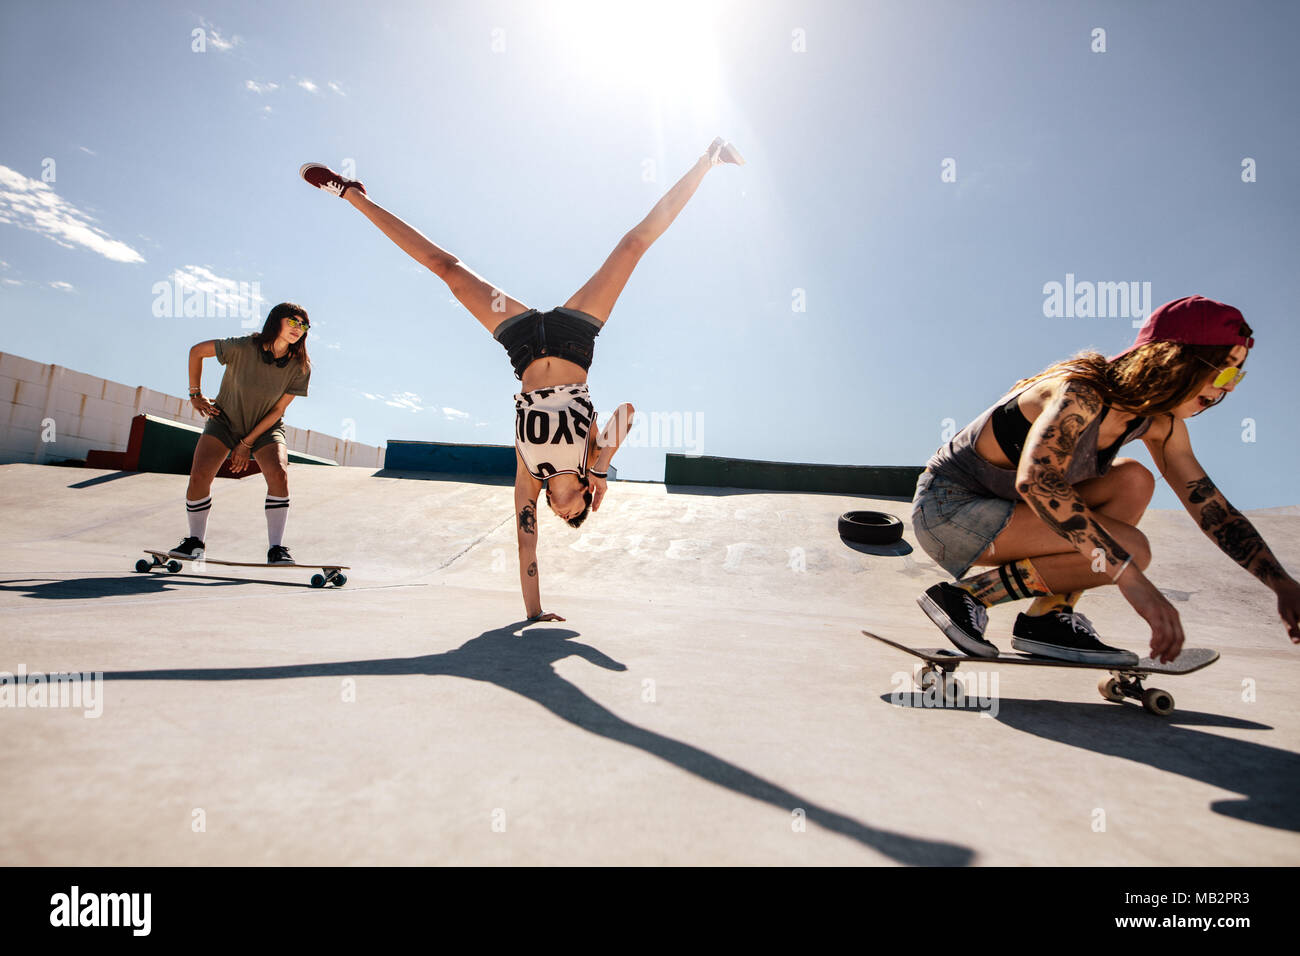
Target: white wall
93,413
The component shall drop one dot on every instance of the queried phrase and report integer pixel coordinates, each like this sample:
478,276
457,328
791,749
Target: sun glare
666,48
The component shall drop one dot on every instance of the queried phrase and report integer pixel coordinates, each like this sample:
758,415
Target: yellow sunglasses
1232,375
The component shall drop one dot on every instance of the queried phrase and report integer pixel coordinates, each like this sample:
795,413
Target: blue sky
527,137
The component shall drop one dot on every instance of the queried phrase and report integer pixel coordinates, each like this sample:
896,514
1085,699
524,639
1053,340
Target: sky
918,176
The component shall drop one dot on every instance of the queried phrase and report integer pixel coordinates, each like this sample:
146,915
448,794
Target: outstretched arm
1225,525
526,492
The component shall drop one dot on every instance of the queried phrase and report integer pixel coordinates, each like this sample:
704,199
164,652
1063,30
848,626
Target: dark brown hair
271,330
577,520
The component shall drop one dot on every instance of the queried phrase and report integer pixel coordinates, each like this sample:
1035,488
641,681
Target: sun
666,49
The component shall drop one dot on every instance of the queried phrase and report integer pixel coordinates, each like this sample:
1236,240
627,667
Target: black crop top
1011,428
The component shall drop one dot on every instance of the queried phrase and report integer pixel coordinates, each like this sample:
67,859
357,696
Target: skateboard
1123,682
331,573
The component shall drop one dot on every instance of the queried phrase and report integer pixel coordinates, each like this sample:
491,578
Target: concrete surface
709,700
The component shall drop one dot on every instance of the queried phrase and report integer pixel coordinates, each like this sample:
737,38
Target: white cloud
334,345
85,150
336,87
62,286
228,295
399,400
256,87
454,414
12,281
218,40
308,85
32,204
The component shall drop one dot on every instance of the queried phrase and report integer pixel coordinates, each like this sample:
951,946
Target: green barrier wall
885,480
168,447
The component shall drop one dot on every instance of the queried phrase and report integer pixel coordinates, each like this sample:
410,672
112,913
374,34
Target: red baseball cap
1193,320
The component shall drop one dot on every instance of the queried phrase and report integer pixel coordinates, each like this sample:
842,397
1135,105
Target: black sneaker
279,555
959,616
189,548
1066,635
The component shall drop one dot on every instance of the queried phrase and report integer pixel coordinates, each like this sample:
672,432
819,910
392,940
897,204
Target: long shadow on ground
1267,777
524,664
133,584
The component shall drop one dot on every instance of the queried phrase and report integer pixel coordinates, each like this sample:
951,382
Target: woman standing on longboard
1032,487
263,373
556,442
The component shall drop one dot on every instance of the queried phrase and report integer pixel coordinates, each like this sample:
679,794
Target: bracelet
597,474
195,392
1127,562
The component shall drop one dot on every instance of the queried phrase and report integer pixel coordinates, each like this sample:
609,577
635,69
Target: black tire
143,566
870,527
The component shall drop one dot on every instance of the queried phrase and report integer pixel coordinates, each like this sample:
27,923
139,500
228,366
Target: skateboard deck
330,573
1125,680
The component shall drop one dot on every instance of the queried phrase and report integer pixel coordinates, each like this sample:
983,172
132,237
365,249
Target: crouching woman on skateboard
556,443
263,373
1033,489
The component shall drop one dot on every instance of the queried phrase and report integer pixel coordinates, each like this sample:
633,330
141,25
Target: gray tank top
958,461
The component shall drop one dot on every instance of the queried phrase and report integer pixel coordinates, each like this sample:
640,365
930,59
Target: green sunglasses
299,323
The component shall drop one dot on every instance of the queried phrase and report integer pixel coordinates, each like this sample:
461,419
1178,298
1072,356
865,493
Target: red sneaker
322,177
723,152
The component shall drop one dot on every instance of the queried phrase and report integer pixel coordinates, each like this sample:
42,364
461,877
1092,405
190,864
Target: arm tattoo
1202,489
1048,492
1232,531
1059,506
532,570
528,518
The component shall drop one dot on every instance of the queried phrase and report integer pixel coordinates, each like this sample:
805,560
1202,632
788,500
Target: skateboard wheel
340,579
1157,701
318,580
1109,688
173,566
143,566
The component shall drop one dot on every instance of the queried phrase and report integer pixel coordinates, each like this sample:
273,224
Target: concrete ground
709,700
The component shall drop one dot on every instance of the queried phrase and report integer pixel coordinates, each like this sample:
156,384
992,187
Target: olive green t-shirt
250,387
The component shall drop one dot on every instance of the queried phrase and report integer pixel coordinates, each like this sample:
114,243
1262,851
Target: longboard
331,573
1124,681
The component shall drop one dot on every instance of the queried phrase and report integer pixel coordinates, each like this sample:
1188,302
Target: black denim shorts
563,333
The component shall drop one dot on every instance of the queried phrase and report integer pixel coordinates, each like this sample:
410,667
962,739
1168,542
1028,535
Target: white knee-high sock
197,512
277,516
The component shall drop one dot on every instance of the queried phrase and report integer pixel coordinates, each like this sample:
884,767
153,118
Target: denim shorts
218,426
955,525
564,333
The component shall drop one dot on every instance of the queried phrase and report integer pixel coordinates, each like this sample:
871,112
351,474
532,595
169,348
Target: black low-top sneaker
1066,635
322,177
959,616
189,548
279,555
